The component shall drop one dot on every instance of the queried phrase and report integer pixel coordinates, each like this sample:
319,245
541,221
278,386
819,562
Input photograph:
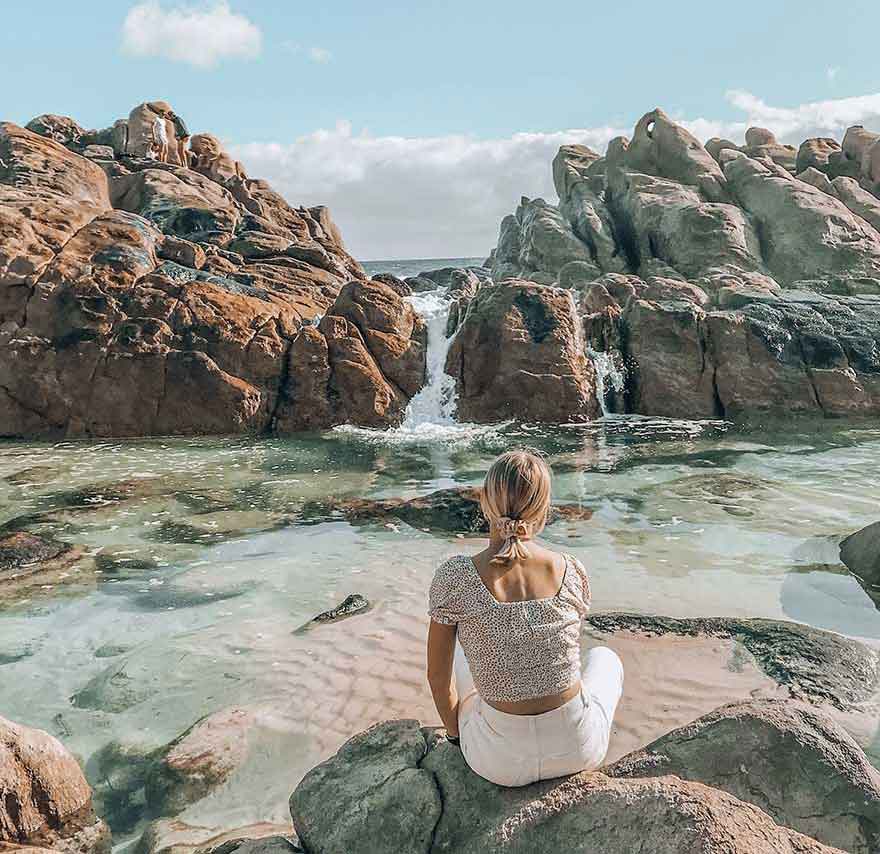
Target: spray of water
608,377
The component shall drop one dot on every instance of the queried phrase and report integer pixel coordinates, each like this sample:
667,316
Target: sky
422,124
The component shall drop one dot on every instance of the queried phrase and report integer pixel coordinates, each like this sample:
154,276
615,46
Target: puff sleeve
582,583
446,600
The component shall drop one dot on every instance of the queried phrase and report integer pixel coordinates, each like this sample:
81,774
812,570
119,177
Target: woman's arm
441,649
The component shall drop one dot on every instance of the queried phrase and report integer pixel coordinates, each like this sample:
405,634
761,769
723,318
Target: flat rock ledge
400,787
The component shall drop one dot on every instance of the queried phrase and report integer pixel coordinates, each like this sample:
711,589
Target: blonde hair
516,499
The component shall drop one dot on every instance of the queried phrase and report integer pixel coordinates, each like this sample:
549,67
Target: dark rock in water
118,773
181,532
454,510
46,801
816,665
353,604
124,563
788,759
176,595
112,690
861,554
23,549
33,475
111,650
172,836
399,788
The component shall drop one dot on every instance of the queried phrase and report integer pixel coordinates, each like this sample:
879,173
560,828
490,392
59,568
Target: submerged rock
170,836
399,788
353,604
791,760
46,801
198,761
455,510
860,552
815,665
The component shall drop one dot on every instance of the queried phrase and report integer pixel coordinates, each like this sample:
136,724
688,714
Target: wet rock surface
46,801
815,665
398,787
455,510
352,605
860,552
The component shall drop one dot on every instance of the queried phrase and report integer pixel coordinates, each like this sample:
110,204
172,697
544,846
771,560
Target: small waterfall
609,378
434,405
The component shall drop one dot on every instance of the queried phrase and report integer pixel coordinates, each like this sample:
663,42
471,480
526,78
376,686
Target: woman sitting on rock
507,622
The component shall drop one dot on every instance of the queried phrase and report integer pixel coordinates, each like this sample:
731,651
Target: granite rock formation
401,788
45,800
724,281
139,297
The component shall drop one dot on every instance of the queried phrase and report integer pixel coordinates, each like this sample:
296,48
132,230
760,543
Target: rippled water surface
198,568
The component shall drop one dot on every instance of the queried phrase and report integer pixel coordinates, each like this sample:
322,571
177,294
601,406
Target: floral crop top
516,650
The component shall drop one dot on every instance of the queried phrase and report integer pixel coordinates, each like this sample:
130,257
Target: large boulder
789,759
519,353
398,788
814,153
40,165
807,236
45,800
765,351
140,320
663,148
361,365
579,177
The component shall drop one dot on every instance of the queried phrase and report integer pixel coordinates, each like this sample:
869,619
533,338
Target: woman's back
538,576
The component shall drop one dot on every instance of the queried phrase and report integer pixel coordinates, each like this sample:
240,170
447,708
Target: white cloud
424,197
198,35
320,54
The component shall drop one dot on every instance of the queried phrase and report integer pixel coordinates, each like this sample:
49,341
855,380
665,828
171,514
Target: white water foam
430,416
608,377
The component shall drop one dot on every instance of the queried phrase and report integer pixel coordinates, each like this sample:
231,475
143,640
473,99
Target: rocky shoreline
775,774
721,281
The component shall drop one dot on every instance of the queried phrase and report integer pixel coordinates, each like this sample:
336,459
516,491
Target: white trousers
515,750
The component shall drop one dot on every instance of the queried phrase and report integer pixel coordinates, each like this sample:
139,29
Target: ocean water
201,558
414,266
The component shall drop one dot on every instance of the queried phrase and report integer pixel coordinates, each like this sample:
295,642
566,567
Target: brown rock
29,161
44,797
815,153
198,761
361,365
519,353
392,330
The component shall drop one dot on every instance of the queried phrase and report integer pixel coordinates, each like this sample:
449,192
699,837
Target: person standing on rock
181,136
160,140
507,624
